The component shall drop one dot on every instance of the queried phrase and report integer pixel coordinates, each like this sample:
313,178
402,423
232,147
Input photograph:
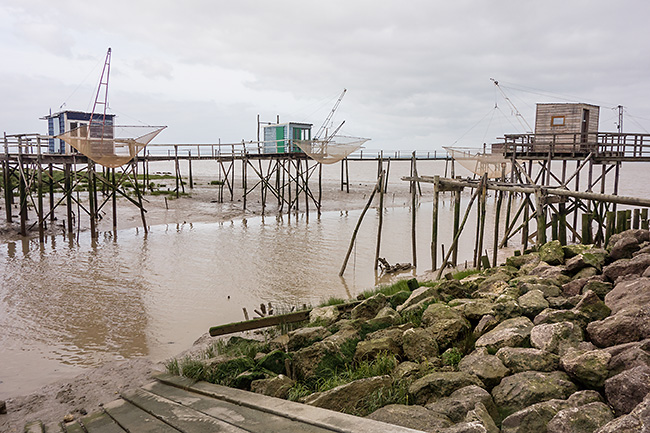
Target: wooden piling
434,224
380,222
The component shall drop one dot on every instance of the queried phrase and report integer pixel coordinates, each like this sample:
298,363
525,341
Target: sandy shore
88,391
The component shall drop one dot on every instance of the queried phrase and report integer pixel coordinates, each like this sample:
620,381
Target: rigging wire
92,71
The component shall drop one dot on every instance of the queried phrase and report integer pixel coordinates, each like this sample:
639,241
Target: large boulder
532,303
447,325
627,389
551,315
275,387
369,308
627,356
415,417
627,267
519,359
589,368
419,344
552,253
385,317
547,288
460,402
535,418
624,244
624,327
370,349
556,337
477,420
303,337
486,367
350,395
592,306
629,294
473,309
306,361
440,384
637,421
582,419
418,295
325,315
529,387
509,333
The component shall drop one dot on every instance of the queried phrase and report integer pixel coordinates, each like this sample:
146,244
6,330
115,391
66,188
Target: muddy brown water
69,305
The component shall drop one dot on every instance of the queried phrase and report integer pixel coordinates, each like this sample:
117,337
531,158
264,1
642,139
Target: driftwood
387,268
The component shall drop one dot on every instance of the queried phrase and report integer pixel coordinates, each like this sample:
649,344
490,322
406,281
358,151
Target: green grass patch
216,182
332,301
466,273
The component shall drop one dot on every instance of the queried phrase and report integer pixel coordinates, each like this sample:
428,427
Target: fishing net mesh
110,145
332,150
493,164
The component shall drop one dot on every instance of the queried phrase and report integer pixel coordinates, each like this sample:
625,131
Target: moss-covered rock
552,253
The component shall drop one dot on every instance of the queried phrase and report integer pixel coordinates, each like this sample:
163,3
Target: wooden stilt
381,217
434,223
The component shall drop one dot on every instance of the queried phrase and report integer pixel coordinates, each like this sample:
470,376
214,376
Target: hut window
557,121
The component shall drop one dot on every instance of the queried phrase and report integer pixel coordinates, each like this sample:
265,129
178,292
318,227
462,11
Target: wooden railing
601,144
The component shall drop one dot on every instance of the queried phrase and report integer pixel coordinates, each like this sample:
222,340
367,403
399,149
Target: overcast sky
417,72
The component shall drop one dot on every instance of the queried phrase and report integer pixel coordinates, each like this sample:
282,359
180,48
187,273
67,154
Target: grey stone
592,307
637,421
440,384
534,418
486,324
369,308
627,389
419,344
532,303
406,370
626,267
480,417
305,361
589,368
415,417
350,395
582,419
473,309
552,253
600,288
369,349
447,325
326,315
519,359
627,356
385,317
556,316
275,387
549,290
556,337
303,337
624,327
509,333
624,244
548,272
529,387
418,295
460,402
486,367
629,294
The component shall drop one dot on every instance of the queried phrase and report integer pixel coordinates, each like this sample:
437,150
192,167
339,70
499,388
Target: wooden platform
174,404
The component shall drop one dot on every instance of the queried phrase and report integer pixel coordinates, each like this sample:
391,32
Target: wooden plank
265,322
247,418
136,420
100,423
73,427
180,417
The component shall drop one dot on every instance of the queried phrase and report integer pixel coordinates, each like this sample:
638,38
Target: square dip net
494,165
331,150
110,145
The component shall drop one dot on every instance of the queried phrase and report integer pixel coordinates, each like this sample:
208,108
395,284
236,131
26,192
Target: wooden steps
174,404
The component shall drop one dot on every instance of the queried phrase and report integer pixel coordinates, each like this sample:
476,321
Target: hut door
584,127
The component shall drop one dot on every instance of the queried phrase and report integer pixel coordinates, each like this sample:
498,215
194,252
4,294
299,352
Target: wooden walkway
175,404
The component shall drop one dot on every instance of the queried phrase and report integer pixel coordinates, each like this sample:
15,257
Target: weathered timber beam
528,189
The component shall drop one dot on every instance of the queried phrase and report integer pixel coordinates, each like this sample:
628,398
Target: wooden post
434,226
610,226
137,192
356,229
636,218
587,237
540,202
497,222
41,219
189,162
483,214
114,199
454,254
51,185
381,217
413,219
320,186
92,199
620,221
178,171
8,188
68,196
22,190
562,225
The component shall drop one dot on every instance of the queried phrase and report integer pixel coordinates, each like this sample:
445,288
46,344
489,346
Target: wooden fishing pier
541,194
39,182
174,404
